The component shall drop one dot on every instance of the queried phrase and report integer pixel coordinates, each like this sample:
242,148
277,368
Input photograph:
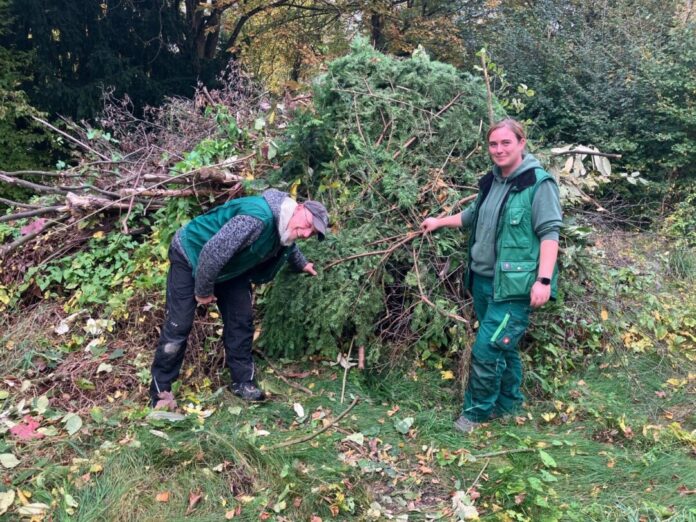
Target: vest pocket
515,279
516,236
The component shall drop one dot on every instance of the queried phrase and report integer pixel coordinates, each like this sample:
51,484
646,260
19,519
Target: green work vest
517,247
262,259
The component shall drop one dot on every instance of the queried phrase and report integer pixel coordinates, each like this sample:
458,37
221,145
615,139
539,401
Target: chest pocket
516,234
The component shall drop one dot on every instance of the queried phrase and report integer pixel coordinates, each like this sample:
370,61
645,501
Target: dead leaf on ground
162,497
26,429
683,491
194,498
165,401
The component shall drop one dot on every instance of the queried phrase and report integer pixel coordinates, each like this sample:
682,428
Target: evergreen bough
388,142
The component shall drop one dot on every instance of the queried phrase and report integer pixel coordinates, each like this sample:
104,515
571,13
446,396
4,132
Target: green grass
614,440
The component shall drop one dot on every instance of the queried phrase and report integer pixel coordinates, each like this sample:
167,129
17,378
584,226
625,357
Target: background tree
138,47
23,144
588,63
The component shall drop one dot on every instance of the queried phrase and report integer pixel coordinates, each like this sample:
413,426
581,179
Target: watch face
544,280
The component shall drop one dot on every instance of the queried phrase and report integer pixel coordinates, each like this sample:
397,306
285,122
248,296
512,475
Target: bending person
215,258
515,223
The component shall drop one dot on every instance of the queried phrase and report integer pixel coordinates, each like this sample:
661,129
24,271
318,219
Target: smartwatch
544,280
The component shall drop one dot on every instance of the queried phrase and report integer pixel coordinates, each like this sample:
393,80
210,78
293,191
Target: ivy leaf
403,425
547,459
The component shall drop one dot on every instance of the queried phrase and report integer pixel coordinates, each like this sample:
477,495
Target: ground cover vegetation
365,363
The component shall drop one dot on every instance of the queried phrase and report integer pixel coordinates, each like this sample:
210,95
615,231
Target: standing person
215,258
513,246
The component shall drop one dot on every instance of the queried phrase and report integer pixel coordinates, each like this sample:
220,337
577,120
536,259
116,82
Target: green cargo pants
495,372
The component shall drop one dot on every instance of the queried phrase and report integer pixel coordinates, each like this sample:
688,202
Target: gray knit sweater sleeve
238,233
296,258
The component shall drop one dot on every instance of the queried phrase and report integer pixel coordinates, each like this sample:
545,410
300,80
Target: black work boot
248,391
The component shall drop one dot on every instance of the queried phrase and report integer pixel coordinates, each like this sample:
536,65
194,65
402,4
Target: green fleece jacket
546,216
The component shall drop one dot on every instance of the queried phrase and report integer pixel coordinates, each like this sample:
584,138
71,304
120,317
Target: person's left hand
539,295
309,268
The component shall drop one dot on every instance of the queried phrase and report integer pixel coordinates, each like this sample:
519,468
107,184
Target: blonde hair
508,123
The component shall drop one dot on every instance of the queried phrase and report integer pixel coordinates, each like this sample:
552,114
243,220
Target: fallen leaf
6,500
35,226
393,411
26,429
62,328
683,490
661,394
229,515
520,498
162,497
72,422
165,401
166,415
299,410
194,498
605,314
105,367
315,518
447,375
403,425
31,510
358,438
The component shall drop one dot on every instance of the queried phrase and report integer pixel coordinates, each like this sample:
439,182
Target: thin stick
345,372
588,152
503,452
33,186
281,376
71,138
386,251
31,213
300,440
488,88
11,203
6,249
473,485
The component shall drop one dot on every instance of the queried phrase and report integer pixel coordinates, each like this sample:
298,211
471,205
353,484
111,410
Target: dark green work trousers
495,372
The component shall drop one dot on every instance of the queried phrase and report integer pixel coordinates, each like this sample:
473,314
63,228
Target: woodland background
121,121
